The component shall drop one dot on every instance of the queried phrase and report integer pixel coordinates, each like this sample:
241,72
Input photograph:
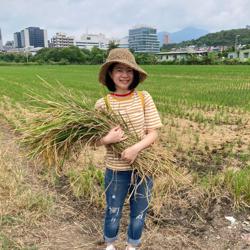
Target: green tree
73,54
97,56
145,58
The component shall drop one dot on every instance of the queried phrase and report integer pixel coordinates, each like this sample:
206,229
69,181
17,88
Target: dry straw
57,127
65,123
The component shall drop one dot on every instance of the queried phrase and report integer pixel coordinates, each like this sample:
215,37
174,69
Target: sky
115,17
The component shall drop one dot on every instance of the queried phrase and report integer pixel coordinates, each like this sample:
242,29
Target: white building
123,42
242,55
179,55
88,41
61,40
27,50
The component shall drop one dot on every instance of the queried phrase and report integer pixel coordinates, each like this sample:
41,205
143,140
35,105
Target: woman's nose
125,73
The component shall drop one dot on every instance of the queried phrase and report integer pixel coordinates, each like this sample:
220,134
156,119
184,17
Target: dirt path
64,226
74,224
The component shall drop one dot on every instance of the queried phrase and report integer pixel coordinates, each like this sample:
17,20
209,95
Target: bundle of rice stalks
63,124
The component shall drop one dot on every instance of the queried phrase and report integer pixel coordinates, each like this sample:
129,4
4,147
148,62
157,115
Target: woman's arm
116,134
131,153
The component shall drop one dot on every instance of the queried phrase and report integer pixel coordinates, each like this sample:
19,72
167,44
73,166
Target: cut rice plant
63,124
170,195
88,183
236,183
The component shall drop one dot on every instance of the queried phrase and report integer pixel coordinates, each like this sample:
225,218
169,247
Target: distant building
248,27
1,41
232,55
123,42
9,45
166,39
88,41
242,55
144,39
31,37
17,40
179,54
216,48
61,40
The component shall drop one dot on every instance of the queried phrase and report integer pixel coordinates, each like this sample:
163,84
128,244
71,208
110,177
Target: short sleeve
152,117
99,105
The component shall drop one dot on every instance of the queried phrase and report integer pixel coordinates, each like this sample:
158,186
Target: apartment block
144,39
17,40
61,40
31,37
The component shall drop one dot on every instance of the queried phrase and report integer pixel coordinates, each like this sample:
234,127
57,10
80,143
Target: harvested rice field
206,115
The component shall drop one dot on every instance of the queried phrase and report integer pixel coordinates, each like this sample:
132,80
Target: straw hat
124,56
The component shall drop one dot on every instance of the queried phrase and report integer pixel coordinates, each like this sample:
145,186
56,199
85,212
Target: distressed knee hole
140,216
114,210
114,213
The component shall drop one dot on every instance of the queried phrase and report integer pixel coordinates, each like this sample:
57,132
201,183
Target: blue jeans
117,185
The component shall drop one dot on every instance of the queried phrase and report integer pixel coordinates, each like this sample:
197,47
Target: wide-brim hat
124,56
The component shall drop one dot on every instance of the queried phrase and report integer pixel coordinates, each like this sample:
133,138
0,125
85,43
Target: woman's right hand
116,134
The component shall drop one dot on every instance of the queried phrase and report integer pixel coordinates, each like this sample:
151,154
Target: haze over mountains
185,34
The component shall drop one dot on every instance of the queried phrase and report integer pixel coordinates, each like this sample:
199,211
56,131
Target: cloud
114,18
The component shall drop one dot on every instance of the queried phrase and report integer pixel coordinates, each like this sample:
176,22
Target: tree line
75,55
70,55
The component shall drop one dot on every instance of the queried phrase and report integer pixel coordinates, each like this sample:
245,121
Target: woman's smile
122,76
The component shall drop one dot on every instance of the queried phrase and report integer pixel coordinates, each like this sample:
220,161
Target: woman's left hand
130,154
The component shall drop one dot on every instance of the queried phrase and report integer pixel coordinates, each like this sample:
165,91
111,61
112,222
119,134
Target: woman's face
122,76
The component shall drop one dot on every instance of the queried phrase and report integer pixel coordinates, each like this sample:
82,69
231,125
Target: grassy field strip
220,78
213,85
206,116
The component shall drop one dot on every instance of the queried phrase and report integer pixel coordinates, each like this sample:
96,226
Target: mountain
185,34
224,38
221,38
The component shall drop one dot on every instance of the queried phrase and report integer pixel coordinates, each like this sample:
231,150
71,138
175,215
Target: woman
121,75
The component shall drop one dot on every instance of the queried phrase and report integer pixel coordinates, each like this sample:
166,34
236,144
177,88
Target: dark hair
110,83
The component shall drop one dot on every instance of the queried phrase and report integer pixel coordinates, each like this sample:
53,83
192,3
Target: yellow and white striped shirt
139,117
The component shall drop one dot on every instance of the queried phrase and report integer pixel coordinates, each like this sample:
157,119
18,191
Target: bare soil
74,224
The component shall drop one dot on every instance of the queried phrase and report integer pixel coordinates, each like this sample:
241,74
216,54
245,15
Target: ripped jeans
117,185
